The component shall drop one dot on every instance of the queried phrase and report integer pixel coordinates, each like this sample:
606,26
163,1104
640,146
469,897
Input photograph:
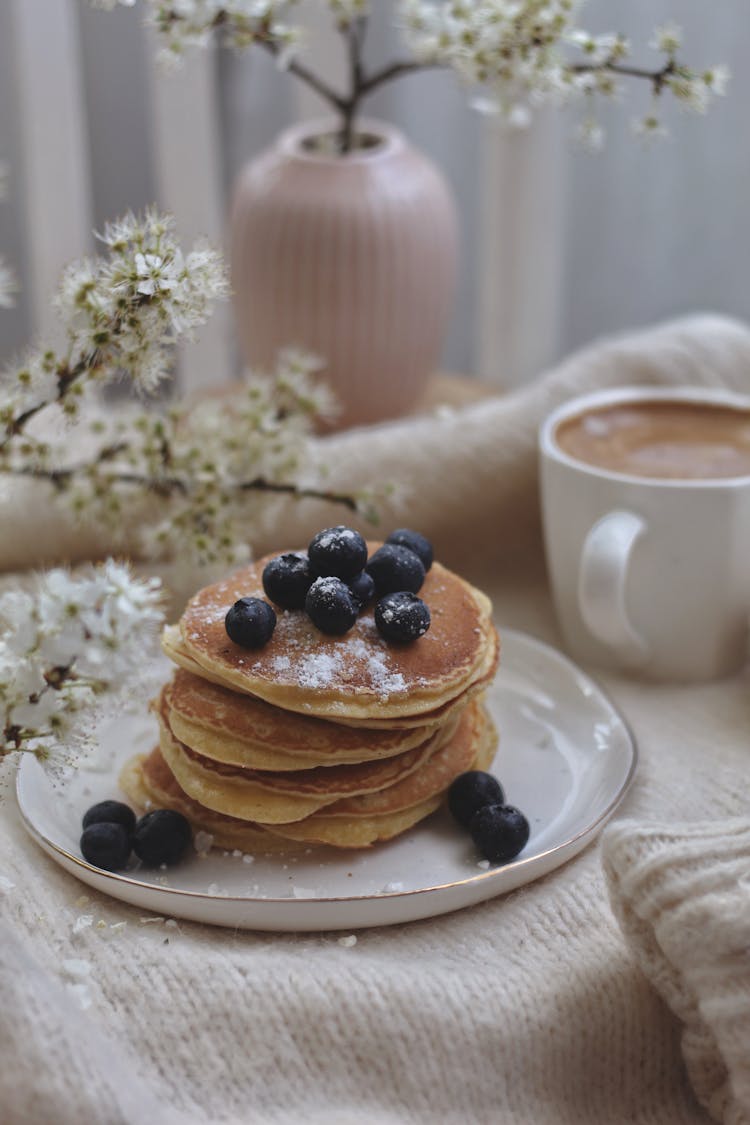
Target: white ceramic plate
566,759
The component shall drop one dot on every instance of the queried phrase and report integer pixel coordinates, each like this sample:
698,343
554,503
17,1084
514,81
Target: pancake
362,821
358,677
149,783
242,731
270,798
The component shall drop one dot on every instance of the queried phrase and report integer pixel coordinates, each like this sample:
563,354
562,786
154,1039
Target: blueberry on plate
330,606
250,622
161,836
110,812
286,580
402,617
470,792
362,588
500,832
339,551
106,845
393,568
416,542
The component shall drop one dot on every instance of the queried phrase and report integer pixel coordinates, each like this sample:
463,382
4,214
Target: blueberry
338,551
362,588
110,812
470,792
250,622
422,548
286,580
161,836
500,832
331,606
106,845
394,568
402,616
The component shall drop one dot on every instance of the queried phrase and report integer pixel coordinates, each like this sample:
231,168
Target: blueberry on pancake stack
328,696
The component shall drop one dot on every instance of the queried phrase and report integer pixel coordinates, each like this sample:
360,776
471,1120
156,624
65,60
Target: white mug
649,575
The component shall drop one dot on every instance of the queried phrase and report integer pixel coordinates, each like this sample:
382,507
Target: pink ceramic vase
351,257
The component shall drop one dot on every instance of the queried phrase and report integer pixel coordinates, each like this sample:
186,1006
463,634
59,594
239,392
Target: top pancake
359,677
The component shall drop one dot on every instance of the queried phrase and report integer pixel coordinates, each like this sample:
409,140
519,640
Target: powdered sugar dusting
320,670
330,536
213,612
336,666
386,681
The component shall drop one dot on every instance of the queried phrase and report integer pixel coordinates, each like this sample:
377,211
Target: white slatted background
520,259
54,148
187,160
517,315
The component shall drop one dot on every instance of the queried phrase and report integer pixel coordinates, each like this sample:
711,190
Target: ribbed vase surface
351,257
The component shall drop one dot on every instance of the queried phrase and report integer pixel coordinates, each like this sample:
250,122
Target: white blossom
649,127
690,91
667,38
531,52
64,646
190,23
717,79
128,308
123,313
347,10
590,135
697,91
597,50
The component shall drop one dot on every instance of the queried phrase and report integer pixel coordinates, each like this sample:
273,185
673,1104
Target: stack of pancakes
312,738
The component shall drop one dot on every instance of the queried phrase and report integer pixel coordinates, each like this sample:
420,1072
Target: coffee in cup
664,439
646,513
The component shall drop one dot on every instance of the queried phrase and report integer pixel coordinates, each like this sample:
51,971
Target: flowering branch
123,313
73,641
62,647
519,51
202,463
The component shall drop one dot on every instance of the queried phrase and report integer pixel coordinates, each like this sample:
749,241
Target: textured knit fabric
531,1009
682,895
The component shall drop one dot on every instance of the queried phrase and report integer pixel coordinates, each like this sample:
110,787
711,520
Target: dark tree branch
299,70
656,77
66,377
396,69
170,485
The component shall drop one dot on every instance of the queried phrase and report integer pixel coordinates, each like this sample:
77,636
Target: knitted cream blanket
540,1007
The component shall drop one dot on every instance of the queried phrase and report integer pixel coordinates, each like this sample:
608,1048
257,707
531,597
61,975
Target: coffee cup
646,513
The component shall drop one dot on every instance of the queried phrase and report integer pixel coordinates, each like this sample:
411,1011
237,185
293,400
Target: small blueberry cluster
477,801
111,833
335,581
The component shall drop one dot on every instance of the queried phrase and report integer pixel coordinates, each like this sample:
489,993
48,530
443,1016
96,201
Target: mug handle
602,577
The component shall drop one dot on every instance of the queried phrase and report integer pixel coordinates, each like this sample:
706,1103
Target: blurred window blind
558,246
